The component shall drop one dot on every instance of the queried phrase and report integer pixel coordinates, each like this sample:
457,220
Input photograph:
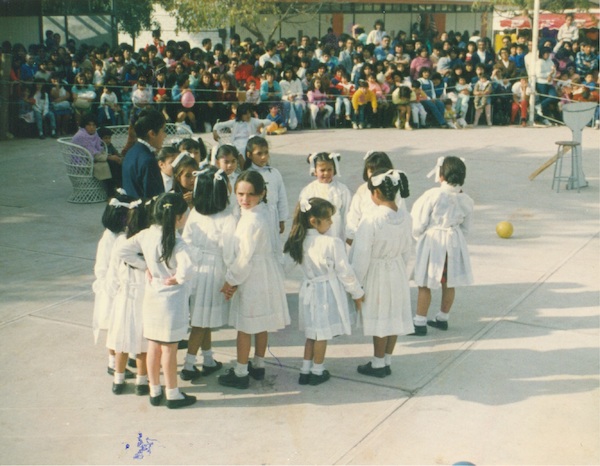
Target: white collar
145,143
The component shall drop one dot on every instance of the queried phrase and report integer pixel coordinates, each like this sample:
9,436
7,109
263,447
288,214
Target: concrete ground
513,381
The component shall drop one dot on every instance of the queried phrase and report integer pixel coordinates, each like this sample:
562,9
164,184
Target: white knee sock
377,363
208,358
190,360
119,377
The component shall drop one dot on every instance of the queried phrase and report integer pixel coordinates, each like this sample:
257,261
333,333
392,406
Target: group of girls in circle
226,266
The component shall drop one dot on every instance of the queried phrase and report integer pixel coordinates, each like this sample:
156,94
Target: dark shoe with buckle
388,370
194,374
315,379
142,390
156,400
117,388
207,370
304,379
257,373
232,380
439,324
187,400
368,369
420,331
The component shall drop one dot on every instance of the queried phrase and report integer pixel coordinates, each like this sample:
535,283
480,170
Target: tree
525,7
261,18
133,17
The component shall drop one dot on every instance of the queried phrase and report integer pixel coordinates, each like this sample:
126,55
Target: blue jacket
141,174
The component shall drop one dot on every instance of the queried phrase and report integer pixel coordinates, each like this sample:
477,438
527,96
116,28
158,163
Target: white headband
218,176
333,156
179,158
393,175
368,154
204,167
305,205
121,191
436,170
114,202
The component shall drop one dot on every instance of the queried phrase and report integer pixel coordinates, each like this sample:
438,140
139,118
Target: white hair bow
134,204
121,191
436,170
336,161
114,202
311,161
179,158
393,175
218,176
204,167
368,154
305,205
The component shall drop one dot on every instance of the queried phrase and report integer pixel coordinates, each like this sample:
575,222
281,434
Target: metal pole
535,38
5,63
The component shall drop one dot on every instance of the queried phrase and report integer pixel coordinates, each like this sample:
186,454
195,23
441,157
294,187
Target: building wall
22,29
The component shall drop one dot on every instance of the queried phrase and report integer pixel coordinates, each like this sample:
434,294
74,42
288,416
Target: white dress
361,204
233,206
441,219
322,301
207,237
165,308
259,304
378,255
339,195
126,330
103,302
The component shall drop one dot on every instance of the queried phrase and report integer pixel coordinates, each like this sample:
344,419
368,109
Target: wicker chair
175,133
80,170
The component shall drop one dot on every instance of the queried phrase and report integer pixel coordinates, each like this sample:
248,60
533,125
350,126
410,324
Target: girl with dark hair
254,281
184,167
323,305
161,251
441,219
379,253
228,159
242,128
209,233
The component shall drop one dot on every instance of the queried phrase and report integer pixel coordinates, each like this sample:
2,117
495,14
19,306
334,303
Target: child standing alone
441,219
328,276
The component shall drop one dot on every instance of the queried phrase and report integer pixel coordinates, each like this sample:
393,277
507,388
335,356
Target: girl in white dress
254,280
208,232
113,221
361,201
125,333
441,219
323,304
227,160
378,255
166,299
324,166
242,128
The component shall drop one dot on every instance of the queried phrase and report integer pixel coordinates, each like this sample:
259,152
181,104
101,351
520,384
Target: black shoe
440,324
156,400
388,370
257,373
315,379
118,388
232,380
187,400
304,379
207,370
128,373
183,344
190,375
131,362
368,369
420,331
142,390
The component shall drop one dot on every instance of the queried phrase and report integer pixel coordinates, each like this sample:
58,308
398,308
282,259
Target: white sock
174,394
420,320
111,361
155,390
190,360
241,370
119,377
377,363
442,316
208,358
317,369
141,380
258,362
306,365
387,358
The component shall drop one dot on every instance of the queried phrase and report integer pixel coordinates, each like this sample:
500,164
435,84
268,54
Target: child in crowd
114,159
165,160
482,101
184,167
324,166
401,99
228,160
346,90
451,118
277,123
195,148
161,251
254,281
419,114
109,110
323,308
441,219
364,103
317,103
209,234
242,128
463,95
378,255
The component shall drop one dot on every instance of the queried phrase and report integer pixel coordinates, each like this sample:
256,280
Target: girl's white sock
241,370
377,363
119,377
111,361
155,390
442,316
258,362
190,360
208,358
387,359
306,365
317,369
420,320
174,394
141,380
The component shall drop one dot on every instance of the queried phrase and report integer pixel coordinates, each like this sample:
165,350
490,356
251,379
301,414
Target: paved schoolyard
514,380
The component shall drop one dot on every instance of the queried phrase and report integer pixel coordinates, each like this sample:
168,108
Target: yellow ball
504,229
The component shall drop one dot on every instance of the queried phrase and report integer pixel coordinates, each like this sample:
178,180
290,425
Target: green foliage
525,7
134,17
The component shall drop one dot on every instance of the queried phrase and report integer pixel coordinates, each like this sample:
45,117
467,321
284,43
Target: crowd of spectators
364,79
